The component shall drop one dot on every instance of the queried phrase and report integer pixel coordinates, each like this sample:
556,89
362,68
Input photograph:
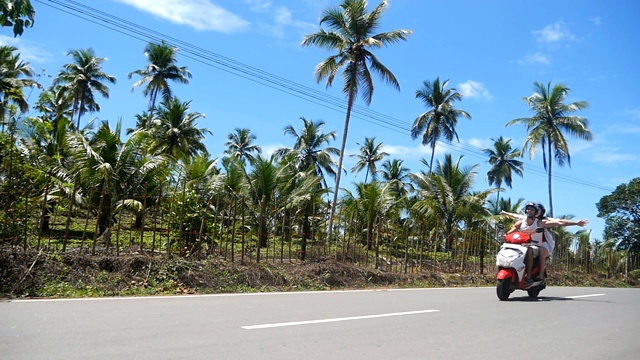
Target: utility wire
272,81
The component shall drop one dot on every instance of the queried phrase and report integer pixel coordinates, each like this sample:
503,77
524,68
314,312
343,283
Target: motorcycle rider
534,218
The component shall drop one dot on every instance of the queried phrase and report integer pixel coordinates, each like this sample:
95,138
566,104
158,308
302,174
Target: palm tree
370,154
143,122
351,35
504,162
309,154
200,180
80,79
161,68
174,130
446,193
264,179
14,76
374,202
551,118
240,145
309,151
112,171
441,118
398,177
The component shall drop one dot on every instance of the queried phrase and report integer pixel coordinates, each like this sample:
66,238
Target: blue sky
249,70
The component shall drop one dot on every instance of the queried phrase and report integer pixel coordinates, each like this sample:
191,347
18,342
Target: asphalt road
458,323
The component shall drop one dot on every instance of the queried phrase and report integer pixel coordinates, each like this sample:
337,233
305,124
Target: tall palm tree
174,130
161,68
240,145
441,118
504,163
545,128
80,79
370,154
351,34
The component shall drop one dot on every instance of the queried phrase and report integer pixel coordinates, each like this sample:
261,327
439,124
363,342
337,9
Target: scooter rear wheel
502,289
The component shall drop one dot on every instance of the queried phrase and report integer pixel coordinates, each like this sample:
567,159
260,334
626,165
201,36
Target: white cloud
596,20
474,89
554,33
259,5
201,15
612,158
412,152
635,113
270,149
537,58
481,143
625,129
29,52
282,19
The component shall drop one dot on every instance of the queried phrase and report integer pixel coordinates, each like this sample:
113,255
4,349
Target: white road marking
297,323
569,297
583,296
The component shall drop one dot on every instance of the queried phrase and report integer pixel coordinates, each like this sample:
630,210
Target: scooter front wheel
503,289
533,293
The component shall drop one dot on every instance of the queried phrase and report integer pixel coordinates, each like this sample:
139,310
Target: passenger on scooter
528,225
535,219
546,244
547,238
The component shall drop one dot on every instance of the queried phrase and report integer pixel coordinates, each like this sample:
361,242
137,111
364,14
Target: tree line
97,188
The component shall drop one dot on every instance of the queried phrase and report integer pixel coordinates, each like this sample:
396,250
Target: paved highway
458,323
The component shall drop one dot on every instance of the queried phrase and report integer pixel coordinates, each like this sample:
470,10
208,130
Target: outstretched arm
511,215
564,222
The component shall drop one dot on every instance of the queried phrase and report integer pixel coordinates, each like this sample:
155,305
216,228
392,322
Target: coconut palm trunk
550,164
334,204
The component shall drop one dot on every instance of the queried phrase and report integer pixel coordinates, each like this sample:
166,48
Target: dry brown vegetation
34,274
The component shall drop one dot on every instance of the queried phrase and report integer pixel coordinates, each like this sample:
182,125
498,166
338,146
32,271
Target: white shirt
535,237
549,242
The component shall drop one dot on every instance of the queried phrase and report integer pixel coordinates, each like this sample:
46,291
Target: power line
267,79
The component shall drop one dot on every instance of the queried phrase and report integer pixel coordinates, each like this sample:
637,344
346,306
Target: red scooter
511,267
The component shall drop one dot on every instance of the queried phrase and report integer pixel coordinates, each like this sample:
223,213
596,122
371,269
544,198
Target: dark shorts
535,249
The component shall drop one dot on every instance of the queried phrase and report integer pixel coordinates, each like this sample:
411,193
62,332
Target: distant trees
621,211
61,185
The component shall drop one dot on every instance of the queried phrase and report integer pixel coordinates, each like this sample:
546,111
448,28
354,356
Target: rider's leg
528,263
543,261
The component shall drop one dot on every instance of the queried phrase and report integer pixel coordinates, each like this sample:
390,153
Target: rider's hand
583,222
